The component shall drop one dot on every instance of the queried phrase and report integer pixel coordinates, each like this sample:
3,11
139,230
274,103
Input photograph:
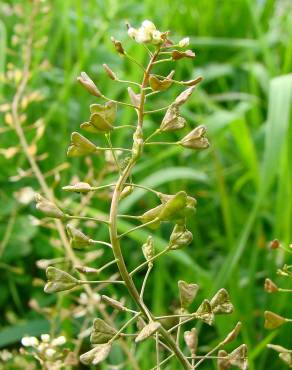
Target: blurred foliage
243,183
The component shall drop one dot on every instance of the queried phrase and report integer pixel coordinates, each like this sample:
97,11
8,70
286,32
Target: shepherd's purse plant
175,209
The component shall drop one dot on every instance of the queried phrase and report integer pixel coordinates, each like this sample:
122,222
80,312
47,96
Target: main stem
113,219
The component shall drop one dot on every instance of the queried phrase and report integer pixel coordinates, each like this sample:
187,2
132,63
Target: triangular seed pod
191,339
101,332
223,363
80,146
59,280
177,54
204,312
238,357
147,331
273,321
221,303
96,355
195,139
187,293
47,207
78,238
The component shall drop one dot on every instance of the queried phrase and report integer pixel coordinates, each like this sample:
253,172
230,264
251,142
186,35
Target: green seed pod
159,85
147,331
173,206
151,215
108,110
101,332
48,208
187,293
273,321
89,85
220,303
195,139
59,280
80,146
96,355
204,312
77,238
180,237
128,190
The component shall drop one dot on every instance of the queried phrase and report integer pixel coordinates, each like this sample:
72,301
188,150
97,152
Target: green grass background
242,183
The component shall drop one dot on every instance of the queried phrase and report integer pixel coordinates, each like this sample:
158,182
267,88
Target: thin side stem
145,281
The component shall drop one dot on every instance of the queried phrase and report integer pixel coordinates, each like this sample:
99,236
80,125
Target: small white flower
29,341
184,42
143,36
156,37
59,341
132,32
148,25
45,338
50,353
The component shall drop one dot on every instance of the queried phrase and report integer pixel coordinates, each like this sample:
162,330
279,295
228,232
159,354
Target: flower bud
79,187
109,72
187,293
96,355
204,312
233,334
148,250
195,139
77,238
273,321
191,339
101,332
270,286
47,207
147,331
89,85
184,42
184,96
274,244
126,191
135,98
118,46
113,303
80,146
220,303
59,281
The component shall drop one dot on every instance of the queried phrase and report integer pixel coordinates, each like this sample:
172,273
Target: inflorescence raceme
272,319
172,208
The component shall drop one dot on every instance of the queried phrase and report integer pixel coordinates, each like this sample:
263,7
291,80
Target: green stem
113,227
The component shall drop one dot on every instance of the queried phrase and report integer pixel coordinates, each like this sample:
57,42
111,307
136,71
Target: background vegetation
242,183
